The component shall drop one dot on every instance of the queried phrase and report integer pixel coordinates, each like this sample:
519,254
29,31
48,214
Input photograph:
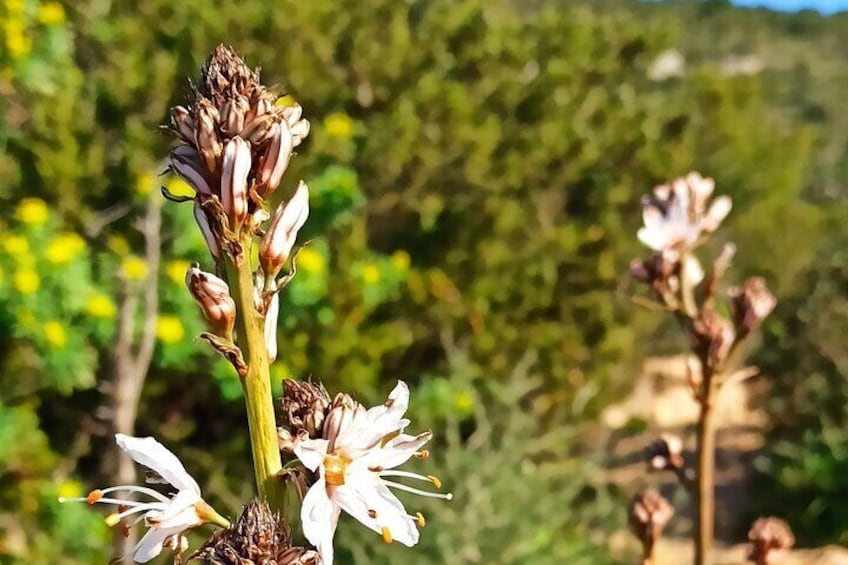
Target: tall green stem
257,388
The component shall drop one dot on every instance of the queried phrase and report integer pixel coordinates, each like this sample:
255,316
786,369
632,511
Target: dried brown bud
256,538
213,296
647,515
711,337
305,407
750,304
665,454
768,535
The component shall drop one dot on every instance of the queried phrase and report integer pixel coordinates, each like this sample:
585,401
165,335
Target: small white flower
167,517
359,450
676,217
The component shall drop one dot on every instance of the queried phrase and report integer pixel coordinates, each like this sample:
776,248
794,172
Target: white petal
271,317
180,513
396,452
156,457
363,497
151,544
319,516
311,452
718,211
653,238
382,420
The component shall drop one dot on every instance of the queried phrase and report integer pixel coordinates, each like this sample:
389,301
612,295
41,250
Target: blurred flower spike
167,517
676,216
359,449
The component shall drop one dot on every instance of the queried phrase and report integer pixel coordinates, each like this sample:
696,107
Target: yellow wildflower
287,100
32,211
176,270
179,187
144,183
51,13
169,329
64,248
27,282
338,124
18,42
310,260
118,244
100,306
134,268
371,274
463,401
55,334
400,260
16,245
70,489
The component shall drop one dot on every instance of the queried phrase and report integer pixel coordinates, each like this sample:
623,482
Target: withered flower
768,536
256,538
305,407
235,143
213,297
750,304
647,515
711,337
666,453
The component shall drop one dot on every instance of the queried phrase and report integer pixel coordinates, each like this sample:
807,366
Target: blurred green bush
476,168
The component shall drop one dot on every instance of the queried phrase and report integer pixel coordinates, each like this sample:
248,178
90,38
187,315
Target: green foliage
475,198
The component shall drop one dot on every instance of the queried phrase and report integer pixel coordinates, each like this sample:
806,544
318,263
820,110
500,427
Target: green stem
257,387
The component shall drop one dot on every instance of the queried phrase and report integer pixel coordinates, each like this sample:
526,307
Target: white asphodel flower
359,450
676,216
167,517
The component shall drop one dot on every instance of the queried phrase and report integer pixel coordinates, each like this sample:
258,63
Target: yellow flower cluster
117,244
310,260
371,274
169,329
32,211
51,13
338,125
134,268
16,246
55,334
176,270
100,306
18,40
65,248
26,281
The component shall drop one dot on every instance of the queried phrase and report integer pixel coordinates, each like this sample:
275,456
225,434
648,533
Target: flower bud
711,337
213,296
750,305
343,411
205,135
271,327
205,229
185,163
181,123
278,242
768,535
305,407
666,453
233,115
292,114
277,157
258,130
234,173
256,537
647,515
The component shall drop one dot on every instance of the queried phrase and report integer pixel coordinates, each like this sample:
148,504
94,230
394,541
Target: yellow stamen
334,469
387,536
372,513
112,519
435,480
423,454
375,469
419,519
94,496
